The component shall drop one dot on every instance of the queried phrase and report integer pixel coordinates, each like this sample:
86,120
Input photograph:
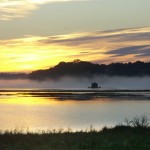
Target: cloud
11,9
140,34
124,45
135,50
36,52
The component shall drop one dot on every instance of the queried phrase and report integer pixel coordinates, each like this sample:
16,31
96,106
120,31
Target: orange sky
38,34
39,52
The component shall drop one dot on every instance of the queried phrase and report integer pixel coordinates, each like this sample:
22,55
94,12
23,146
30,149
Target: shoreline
119,137
63,94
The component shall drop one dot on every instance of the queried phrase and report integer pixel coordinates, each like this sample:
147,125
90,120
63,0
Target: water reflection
55,109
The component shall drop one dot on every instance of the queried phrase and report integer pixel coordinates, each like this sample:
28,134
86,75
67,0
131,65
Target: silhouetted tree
79,68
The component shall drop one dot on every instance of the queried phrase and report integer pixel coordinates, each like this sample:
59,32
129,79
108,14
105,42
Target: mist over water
105,82
37,111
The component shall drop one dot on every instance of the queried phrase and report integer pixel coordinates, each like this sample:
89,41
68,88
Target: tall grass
142,121
133,134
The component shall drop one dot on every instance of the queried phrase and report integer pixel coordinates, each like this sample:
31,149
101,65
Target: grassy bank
130,135
119,137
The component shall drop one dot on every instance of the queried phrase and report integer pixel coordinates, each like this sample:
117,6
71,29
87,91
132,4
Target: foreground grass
133,135
117,138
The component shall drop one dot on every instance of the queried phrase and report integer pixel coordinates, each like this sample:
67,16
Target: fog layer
80,83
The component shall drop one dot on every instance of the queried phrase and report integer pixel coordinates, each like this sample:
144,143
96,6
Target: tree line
79,68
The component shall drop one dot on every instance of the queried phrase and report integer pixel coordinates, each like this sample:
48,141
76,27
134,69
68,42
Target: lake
76,109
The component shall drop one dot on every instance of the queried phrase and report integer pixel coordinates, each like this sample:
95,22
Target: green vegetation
133,135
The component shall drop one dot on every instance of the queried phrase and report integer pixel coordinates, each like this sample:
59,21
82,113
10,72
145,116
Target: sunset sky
38,34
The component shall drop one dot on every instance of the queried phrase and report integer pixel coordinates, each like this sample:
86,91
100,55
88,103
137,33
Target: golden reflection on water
29,101
39,112
15,98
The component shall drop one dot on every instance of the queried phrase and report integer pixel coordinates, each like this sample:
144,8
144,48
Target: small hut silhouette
94,85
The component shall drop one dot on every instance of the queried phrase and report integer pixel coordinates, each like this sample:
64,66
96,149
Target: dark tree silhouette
79,68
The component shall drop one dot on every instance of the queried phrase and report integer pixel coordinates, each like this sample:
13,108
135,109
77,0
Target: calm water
62,109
